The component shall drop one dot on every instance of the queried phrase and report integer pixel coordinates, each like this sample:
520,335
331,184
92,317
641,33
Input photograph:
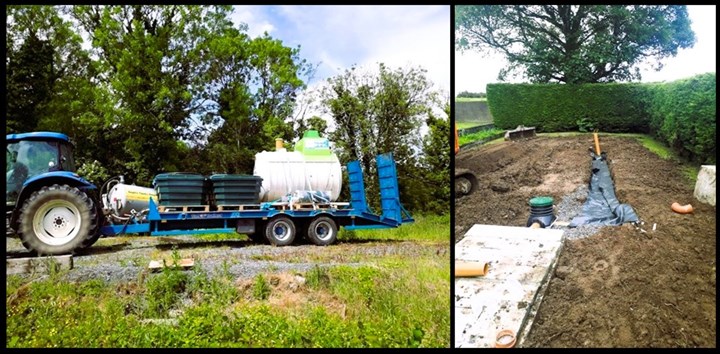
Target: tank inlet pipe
471,269
597,143
681,209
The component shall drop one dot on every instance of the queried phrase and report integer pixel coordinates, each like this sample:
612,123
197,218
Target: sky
473,71
338,37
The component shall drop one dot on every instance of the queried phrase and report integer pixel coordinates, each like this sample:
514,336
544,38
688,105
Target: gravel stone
571,206
124,260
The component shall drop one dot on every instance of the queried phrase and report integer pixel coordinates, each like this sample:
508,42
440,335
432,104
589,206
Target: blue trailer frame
353,215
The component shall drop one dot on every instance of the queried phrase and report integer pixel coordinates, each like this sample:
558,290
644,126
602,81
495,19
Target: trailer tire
259,235
57,220
322,231
280,231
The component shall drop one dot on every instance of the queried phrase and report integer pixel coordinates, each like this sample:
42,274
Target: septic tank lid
311,134
541,201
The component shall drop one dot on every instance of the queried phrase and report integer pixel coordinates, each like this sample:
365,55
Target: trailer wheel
56,220
259,235
280,231
322,231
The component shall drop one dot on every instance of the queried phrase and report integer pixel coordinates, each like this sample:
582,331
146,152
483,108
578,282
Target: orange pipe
507,343
681,209
471,269
597,144
457,144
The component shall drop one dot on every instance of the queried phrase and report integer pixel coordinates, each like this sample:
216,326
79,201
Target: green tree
150,59
256,96
43,57
436,163
466,94
51,83
377,113
575,43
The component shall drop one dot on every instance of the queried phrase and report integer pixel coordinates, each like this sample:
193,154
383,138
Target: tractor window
16,173
67,163
38,156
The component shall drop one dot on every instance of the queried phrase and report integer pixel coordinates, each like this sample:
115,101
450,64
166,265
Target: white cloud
257,24
696,60
340,36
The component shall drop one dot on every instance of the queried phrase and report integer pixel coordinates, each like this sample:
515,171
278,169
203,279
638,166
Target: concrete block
705,185
38,264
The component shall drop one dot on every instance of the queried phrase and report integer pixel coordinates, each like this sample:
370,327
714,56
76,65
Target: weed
261,257
317,278
261,288
163,291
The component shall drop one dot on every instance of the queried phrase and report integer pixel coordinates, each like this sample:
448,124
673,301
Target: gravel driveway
122,259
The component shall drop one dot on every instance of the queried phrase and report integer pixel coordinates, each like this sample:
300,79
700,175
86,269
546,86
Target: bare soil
619,287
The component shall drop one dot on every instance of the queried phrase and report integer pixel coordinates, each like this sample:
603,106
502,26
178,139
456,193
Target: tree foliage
466,94
147,89
381,112
575,43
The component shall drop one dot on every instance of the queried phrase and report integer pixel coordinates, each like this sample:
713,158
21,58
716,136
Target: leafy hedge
681,113
553,107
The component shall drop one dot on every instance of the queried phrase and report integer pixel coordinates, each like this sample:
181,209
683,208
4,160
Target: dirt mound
620,287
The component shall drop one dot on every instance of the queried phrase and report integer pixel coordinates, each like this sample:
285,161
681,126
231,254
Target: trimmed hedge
681,113
554,107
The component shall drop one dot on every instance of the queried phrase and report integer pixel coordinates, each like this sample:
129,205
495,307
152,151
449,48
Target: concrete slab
521,260
705,185
28,265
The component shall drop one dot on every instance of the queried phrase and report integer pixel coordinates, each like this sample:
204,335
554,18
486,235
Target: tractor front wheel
57,220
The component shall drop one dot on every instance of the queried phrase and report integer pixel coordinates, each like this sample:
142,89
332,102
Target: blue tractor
50,207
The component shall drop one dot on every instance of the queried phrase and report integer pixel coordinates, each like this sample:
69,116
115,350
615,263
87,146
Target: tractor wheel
57,220
94,234
280,231
322,231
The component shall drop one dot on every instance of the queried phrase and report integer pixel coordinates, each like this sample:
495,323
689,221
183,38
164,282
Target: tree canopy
575,43
381,112
148,89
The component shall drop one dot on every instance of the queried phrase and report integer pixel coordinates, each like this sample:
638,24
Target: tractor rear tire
57,220
94,234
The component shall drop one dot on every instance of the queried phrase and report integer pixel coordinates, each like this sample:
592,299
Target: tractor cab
33,154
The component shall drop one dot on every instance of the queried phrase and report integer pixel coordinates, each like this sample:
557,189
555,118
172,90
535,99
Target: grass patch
471,99
691,173
394,302
465,125
425,228
220,237
482,135
656,147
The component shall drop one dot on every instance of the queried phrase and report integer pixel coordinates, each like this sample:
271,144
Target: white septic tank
311,167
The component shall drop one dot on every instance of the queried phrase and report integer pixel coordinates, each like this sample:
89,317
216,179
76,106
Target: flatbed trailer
279,223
